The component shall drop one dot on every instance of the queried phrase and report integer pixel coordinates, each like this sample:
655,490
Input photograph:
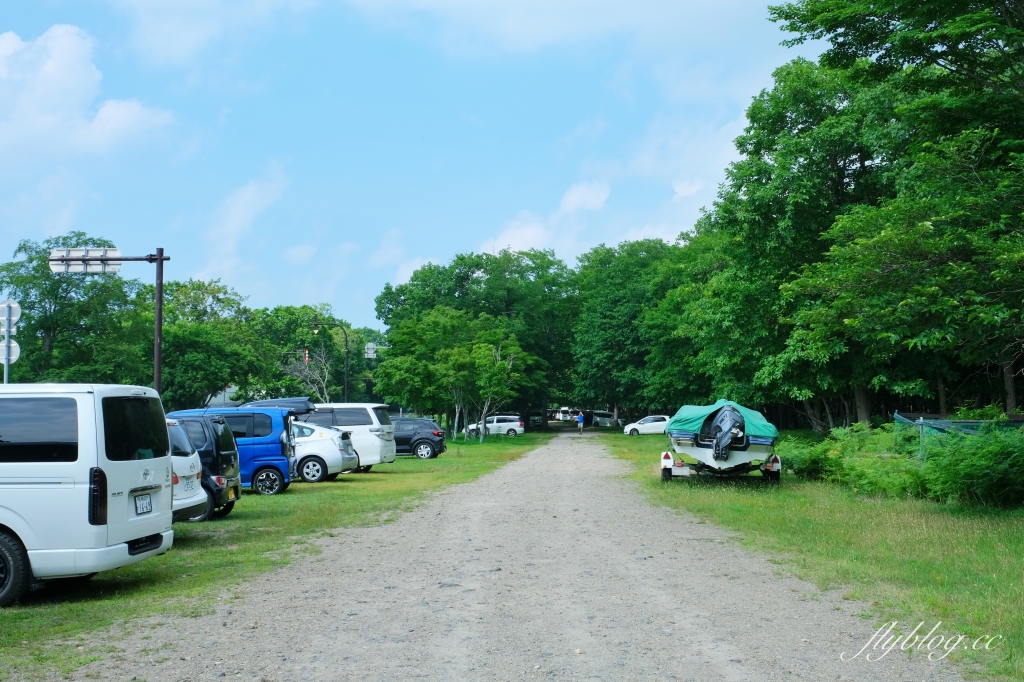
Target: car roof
228,411
371,405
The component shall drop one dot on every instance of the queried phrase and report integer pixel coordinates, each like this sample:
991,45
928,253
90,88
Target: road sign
15,312
371,350
71,265
15,351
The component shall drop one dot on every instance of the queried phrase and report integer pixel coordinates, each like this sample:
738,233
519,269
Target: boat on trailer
725,439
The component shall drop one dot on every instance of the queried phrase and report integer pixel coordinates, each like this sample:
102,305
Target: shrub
987,468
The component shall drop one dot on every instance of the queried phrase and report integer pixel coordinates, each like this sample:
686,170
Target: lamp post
108,260
316,328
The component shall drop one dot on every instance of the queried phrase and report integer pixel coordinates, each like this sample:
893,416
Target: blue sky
308,151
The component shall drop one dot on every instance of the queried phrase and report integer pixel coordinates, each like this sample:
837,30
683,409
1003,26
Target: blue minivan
263,435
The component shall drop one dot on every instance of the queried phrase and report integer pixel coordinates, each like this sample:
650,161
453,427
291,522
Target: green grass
910,559
209,561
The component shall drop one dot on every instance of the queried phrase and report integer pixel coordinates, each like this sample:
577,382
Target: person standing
579,422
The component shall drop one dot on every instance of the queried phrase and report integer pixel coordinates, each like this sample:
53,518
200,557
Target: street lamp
316,328
108,260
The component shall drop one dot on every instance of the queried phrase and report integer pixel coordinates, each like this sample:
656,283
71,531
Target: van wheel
313,470
424,450
268,482
511,433
14,570
207,510
221,512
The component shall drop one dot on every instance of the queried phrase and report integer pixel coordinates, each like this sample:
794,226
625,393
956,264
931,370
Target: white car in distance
510,425
656,423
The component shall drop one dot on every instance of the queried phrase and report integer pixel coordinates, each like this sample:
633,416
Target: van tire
268,481
221,512
15,570
313,469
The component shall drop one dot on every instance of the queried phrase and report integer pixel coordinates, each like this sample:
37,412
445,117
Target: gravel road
553,567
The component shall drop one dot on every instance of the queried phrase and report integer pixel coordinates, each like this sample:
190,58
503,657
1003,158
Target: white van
85,481
373,434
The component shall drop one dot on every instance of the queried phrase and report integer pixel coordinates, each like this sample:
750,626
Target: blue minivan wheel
268,481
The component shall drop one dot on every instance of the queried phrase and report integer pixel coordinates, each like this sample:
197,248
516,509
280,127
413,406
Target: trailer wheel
666,474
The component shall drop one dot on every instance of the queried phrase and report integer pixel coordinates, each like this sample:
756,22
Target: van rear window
353,416
225,439
134,428
382,415
38,430
181,446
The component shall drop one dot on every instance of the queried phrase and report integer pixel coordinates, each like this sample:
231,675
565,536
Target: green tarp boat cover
691,418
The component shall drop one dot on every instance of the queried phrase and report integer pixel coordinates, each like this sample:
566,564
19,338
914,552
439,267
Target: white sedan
656,423
319,451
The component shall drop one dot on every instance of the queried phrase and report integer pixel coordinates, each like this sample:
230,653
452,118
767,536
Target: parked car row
93,476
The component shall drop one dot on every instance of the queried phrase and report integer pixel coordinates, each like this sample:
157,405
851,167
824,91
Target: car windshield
134,428
181,445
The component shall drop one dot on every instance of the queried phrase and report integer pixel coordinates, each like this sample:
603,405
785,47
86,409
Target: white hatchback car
89,492
322,453
370,427
654,424
191,503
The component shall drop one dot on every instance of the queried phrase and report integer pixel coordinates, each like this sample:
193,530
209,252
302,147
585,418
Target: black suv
217,449
420,437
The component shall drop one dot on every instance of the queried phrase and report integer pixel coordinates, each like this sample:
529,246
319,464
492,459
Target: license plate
143,504
190,485
231,493
680,471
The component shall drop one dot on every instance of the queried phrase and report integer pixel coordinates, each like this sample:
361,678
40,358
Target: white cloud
234,219
299,254
529,231
583,196
525,25
685,188
176,31
48,88
390,251
406,268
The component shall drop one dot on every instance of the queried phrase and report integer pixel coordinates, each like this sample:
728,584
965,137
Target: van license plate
143,504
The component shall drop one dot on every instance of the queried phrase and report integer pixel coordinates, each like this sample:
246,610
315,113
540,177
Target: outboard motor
727,427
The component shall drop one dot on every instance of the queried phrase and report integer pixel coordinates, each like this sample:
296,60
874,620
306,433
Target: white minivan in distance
85,481
373,434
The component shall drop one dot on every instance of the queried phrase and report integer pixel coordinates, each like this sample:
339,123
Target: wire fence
921,427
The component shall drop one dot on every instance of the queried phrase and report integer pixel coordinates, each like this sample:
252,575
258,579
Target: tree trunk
615,414
828,413
942,393
1011,389
863,400
813,412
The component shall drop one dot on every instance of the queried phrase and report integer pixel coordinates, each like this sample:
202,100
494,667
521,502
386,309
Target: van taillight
97,497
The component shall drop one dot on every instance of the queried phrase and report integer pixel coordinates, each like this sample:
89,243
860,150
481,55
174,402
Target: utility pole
108,260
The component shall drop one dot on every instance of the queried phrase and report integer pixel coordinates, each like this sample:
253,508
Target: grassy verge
261,534
913,560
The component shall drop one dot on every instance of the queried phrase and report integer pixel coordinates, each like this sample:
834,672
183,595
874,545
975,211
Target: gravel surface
553,567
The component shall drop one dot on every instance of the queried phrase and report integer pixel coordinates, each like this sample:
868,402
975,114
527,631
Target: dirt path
553,567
